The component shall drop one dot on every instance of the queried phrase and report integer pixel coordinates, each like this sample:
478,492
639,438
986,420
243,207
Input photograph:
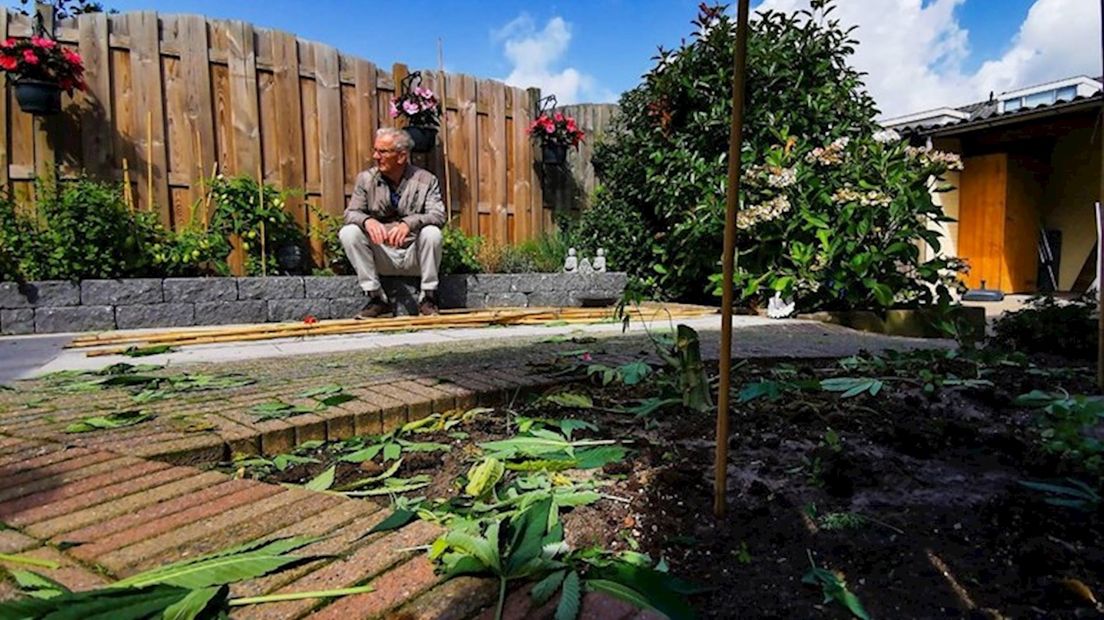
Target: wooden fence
173,98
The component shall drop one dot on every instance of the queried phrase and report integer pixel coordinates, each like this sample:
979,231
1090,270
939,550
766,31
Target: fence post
46,128
537,200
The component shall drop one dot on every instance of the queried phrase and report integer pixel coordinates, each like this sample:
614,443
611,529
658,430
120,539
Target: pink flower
42,42
411,108
559,117
8,43
586,357
549,128
30,57
571,125
73,57
394,111
8,63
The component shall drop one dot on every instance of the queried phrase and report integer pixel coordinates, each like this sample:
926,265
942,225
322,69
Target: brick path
112,503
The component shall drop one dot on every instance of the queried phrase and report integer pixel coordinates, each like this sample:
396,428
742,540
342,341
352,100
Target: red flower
30,57
309,319
559,117
43,42
9,42
73,57
8,63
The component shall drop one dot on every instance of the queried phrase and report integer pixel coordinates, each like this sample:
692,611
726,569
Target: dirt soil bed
912,494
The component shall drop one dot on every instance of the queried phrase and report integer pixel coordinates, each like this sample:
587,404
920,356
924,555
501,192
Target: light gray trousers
421,257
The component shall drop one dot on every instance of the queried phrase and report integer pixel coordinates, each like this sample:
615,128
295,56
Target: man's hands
381,236
375,230
397,234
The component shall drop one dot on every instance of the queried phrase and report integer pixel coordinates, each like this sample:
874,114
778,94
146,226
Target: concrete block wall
95,305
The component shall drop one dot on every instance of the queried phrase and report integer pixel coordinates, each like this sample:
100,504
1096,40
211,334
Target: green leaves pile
194,589
529,546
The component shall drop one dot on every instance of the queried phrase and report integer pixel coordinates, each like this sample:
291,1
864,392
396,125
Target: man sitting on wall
393,224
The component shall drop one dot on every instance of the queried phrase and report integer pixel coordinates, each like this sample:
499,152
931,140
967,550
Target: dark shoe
428,305
377,308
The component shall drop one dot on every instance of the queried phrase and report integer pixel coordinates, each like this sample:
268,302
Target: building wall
1068,198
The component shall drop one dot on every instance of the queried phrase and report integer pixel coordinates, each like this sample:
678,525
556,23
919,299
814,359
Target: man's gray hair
399,138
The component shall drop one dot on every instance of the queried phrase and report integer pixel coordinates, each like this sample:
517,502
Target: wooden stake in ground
735,148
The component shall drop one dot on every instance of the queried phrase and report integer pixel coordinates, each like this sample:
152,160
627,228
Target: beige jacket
419,200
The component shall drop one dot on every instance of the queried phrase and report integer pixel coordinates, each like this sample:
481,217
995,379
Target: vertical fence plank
536,199
469,164
149,111
122,105
330,148
522,191
350,120
96,108
365,73
289,120
244,115
496,142
196,69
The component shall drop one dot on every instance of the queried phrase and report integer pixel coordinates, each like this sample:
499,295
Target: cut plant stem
296,596
22,559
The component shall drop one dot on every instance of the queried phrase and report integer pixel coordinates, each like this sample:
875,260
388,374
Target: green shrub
1050,326
241,209
515,259
547,252
77,229
327,229
622,231
833,211
458,251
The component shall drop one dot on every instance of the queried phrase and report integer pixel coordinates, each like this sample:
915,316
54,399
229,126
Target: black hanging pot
555,154
38,97
424,138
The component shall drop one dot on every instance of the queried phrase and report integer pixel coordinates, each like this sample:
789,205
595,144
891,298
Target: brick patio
112,503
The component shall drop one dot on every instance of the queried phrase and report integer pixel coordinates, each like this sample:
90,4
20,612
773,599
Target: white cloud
535,55
914,50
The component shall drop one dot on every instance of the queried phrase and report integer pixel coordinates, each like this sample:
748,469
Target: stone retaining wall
90,305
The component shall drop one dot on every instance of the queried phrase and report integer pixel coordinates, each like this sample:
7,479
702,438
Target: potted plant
40,69
418,105
556,132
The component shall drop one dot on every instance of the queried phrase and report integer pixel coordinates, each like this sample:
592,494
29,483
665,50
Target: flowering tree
557,129
40,58
418,105
833,210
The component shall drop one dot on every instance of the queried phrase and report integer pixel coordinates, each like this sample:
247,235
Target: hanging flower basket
419,106
39,69
555,132
425,138
555,154
38,97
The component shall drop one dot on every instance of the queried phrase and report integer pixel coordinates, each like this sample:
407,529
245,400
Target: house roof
947,121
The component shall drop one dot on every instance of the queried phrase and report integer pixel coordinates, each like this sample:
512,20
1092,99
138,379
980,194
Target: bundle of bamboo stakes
114,343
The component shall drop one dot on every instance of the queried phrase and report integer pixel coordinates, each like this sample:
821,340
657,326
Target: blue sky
593,50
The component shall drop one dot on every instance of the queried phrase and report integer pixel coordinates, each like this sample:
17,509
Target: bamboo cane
260,208
735,149
444,122
149,158
513,316
127,195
